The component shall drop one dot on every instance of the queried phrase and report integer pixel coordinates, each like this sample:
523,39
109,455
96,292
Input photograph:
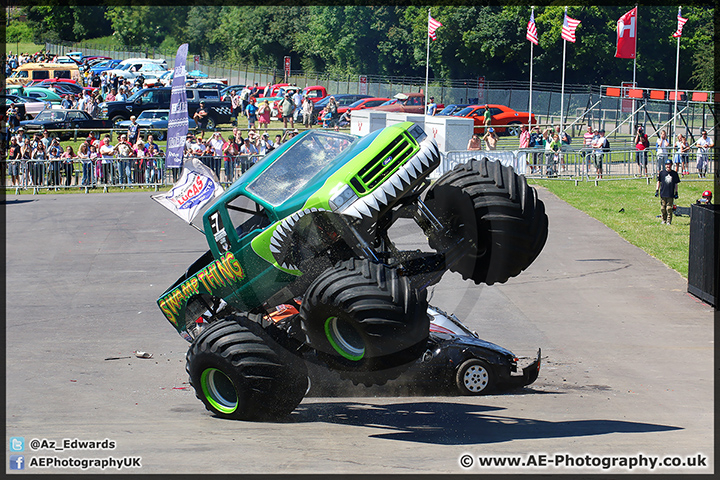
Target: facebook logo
17,444
17,462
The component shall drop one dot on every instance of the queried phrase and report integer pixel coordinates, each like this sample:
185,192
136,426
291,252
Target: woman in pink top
67,160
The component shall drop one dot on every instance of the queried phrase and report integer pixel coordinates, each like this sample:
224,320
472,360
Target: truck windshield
298,165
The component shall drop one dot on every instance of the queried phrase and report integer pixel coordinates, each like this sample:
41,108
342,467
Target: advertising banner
178,118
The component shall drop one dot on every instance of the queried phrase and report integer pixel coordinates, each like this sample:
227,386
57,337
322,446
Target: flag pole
531,78
427,67
562,88
677,71
637,22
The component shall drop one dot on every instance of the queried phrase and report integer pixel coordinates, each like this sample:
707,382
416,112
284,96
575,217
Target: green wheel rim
344,339
219,390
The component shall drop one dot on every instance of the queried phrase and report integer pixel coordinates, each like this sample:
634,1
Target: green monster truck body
310,220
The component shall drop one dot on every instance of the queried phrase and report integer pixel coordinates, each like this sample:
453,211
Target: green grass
24,47
637,222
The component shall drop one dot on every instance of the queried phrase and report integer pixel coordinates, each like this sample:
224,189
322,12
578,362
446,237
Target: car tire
116,120
240,373
513,129
474,377
365,320
496,214
211,123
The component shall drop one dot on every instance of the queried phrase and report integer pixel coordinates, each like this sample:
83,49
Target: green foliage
18,32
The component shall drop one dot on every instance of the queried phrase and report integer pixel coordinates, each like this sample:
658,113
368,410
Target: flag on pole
626,35
197,186
681,22
432,26
532,34
178,117
568,28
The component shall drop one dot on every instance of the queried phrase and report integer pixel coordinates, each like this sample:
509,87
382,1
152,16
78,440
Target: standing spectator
307,110
680,157
244,98
474,143
236,105
151,143
524,143
139,161
565,141
297,102
662,147
110,97
332,107
598,145
667,186
65,102
106,151
121,97
641,145
536,141
230,151
490,139
703,145
14,156
326,117
68,156
133,130
251,112
431,106
264,111
248,151
286,107
201,117
84,155
13,121
39,156
265,144
55,153
266,91
552,153
487,117
124,151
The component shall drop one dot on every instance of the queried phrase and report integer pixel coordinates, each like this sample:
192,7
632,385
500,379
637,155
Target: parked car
504,120
67,120
452,108
64,88
131,69
154,122
104,65
315,93
342,100
44,94
27,107
362,104
407,103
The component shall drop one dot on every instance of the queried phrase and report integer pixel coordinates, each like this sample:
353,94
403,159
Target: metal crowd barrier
581,164
123,172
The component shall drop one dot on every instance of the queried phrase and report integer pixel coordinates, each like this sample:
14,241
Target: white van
132,67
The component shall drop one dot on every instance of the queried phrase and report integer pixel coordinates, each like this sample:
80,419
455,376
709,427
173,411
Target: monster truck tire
240,373
500,218
365,321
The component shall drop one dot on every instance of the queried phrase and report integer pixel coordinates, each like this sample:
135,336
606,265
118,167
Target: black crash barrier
704,261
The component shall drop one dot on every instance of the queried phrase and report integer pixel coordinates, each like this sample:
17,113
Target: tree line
474,41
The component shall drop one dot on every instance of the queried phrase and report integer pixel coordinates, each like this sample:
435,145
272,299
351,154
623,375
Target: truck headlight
343,198
417,133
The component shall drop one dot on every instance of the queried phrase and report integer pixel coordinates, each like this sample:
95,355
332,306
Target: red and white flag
627,35
568,28
681,22
432,26
532,34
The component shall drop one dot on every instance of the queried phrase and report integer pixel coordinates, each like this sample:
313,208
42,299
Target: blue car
104,65
154,122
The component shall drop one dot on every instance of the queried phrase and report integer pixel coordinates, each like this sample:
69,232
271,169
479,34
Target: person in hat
490,139
201,117
598,144
706,198
431,106
667,187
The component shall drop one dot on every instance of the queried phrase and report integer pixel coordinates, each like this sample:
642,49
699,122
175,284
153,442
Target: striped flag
681,22
568,29
432,26
532,29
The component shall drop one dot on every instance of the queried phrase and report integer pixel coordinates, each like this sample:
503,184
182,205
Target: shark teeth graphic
282,233
428,154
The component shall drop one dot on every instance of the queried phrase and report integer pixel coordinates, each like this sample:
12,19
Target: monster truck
310,221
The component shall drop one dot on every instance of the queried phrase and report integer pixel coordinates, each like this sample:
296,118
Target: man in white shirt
297,100
703,145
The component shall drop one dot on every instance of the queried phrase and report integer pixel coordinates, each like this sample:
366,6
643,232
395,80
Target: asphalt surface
627,359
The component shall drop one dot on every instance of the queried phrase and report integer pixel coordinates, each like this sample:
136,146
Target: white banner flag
197,186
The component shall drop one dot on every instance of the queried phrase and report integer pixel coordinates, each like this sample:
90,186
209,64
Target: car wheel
513,129
365,320
116,120
239,372
474,377
211,123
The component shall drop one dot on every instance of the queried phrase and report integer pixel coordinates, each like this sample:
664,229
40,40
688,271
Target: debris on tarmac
140,354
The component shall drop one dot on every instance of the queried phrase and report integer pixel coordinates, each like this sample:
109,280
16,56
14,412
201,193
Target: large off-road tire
239,372
365,321
492,215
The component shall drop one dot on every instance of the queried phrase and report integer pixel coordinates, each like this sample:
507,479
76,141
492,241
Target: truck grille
383,165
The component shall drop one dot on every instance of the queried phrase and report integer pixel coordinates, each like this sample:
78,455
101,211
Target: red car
362,104
504,120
